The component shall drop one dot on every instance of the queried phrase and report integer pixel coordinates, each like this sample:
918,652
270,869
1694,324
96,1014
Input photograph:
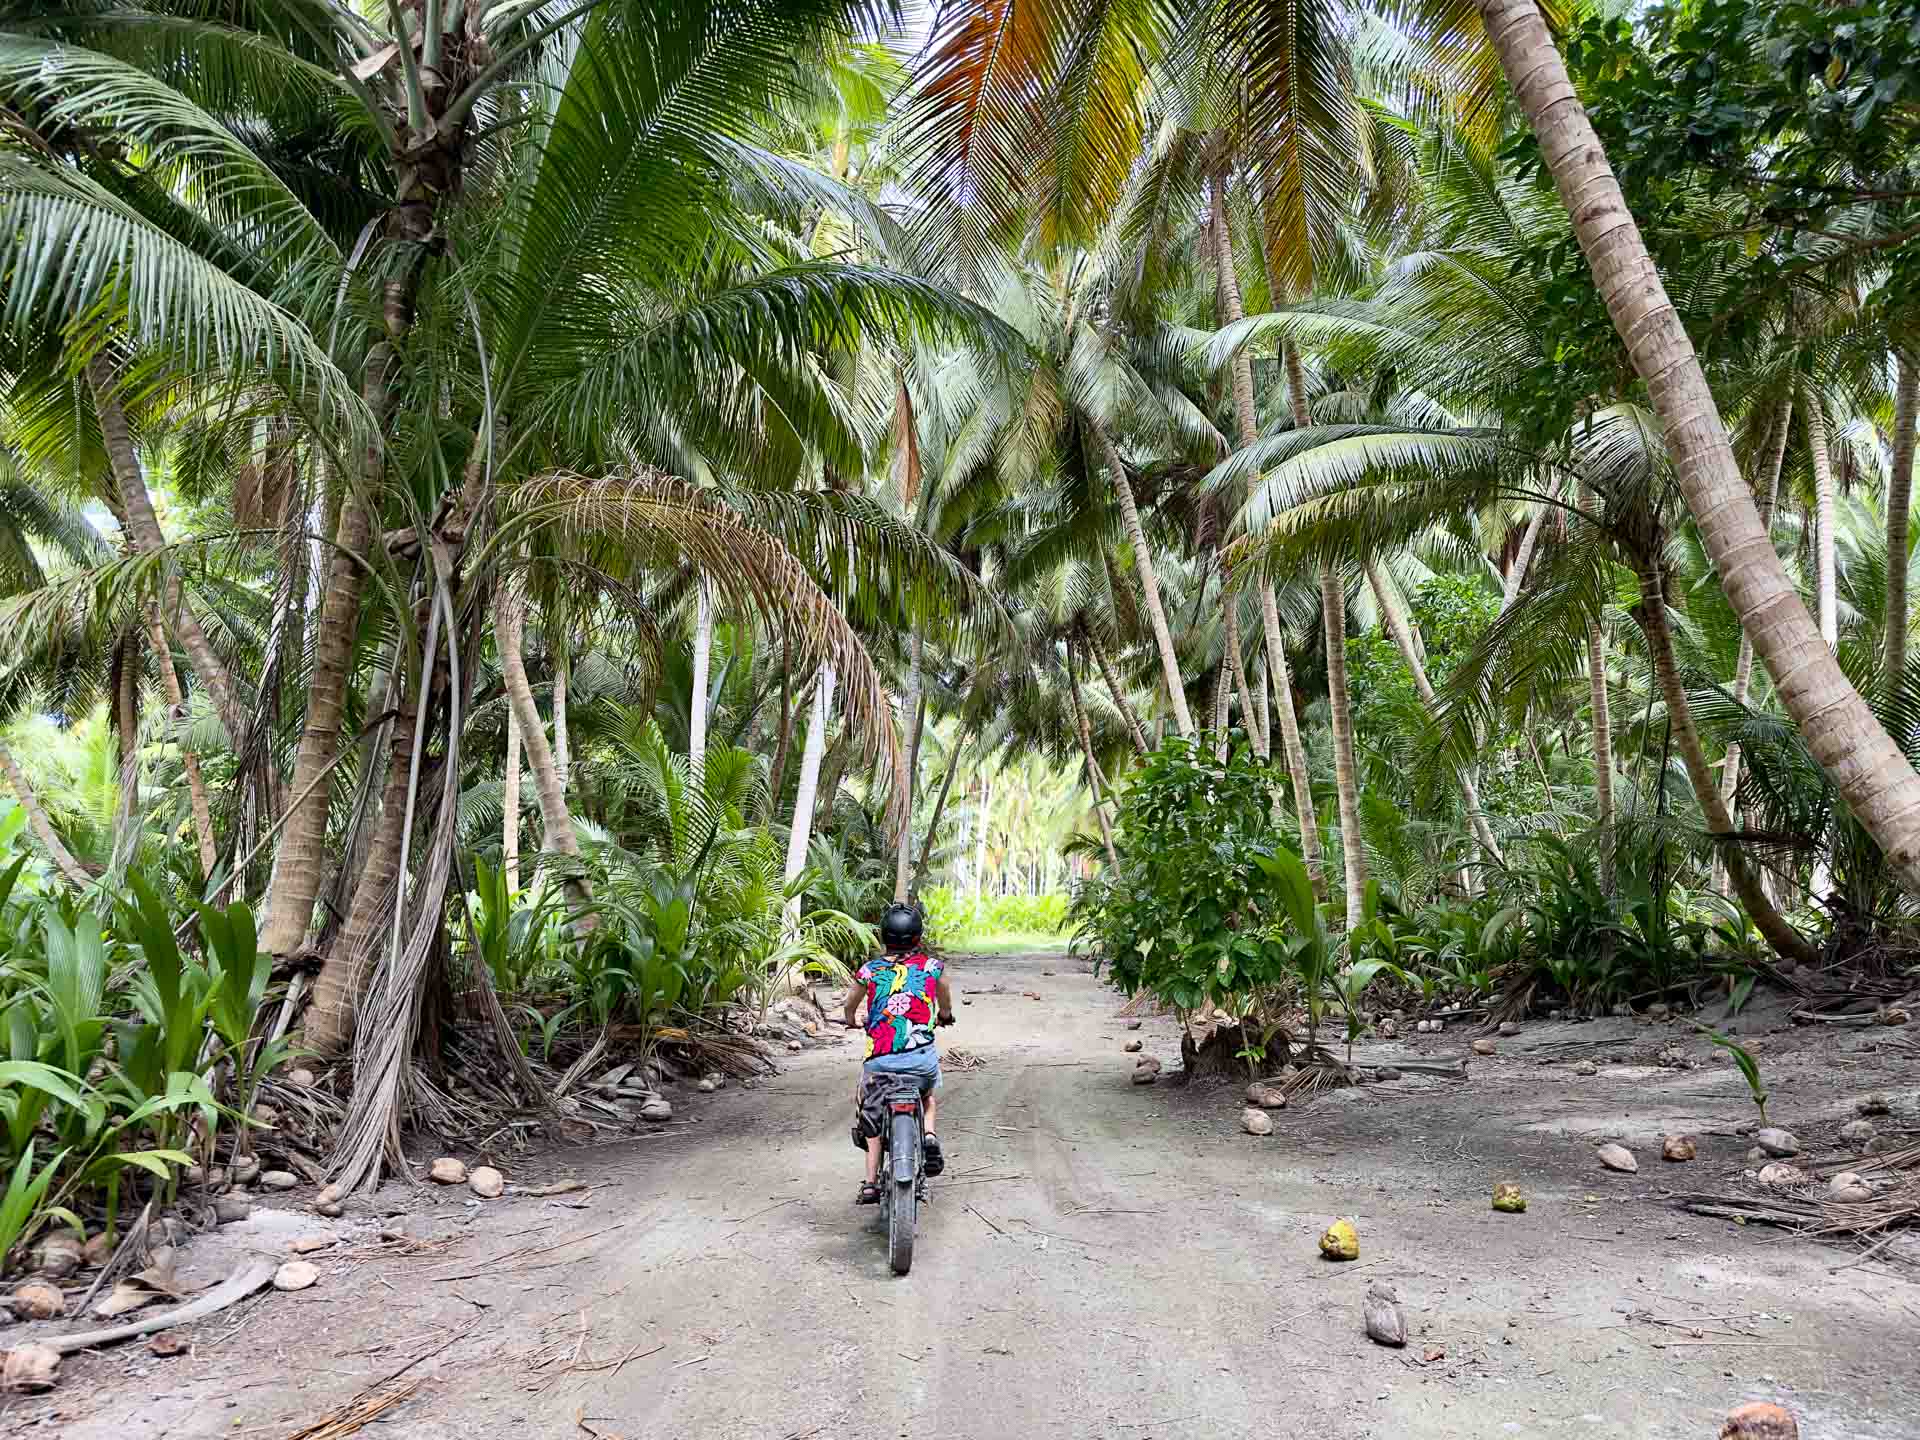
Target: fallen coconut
1386,1073
794,1047
448,1171
1509,1027
58,1256
1586,1067
1776,1141
1484,1046
1256,1122
1385,1324
228,1209
1857,1133
1760,1420
244,1172
308,1244
1872,1105
1618,1157
1893,1015
1341,1242
1678,1147
37,1300
302,1077
1782,1176
295,1275
1387,1029
1508,1199
487,1182
98,1250
1658,1011
1142,1075
329,1202
1133,1024
1849,1188
30,1368
1147,1062
1267,1097
1133,1046
706,1086
279,1179
656,1109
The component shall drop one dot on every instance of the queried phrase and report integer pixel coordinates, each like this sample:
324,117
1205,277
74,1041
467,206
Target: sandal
936,1158
869,1194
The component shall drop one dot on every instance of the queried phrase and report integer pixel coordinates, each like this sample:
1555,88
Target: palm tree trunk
42,824
1402,634
510,804
1651,615
176,711
1149,581
916,706
300,860
562,769
1602,750
143,527
939,809
126,810
1517,576
1825,587
1768,493
1113,688
1906,404
702,660
1292,747
1256,732
777,771
1869,771
1261,707
338,988
549,786
1333,614
800,834
1096,779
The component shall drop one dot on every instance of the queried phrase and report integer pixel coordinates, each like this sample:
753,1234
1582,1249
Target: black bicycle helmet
900,927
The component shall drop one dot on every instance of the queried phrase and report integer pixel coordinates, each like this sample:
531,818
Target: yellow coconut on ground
1509,1200
1341,1242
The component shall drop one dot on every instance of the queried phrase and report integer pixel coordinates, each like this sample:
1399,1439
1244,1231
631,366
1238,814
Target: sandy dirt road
1101,1262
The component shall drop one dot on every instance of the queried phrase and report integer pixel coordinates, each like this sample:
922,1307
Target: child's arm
945,996
851,1010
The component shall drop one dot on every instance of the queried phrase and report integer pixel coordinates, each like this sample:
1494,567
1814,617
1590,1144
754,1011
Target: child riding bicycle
900,989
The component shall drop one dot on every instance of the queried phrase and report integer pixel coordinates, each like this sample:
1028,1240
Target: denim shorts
924,1062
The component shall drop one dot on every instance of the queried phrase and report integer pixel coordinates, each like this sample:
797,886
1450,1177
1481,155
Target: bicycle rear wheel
900,1225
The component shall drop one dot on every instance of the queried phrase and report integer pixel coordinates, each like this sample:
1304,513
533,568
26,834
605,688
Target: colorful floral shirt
901,996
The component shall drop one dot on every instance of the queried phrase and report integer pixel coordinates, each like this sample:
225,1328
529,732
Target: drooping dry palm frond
668,520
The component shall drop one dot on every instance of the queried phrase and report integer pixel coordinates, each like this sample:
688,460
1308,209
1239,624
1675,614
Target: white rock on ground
448,1171
295,1275
1618,1157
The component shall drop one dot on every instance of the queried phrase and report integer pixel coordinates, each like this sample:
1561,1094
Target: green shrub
956,920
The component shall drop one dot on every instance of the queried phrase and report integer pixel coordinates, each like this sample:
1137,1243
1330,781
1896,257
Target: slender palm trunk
1651,615
1149,581
777,771
702,659
42,824
1096,778
1602,750
510,803
1517,576
800,834
1906,405
915,703
549,786
939,808
127,710
1249,719
1768,492
300,860
1868,770
143,527
1260,705
1112,680
1402,634
1333,614
176,712
1825,588
562,768
1292,748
